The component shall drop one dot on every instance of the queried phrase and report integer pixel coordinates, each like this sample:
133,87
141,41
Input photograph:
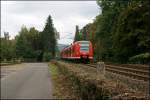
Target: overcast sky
65,15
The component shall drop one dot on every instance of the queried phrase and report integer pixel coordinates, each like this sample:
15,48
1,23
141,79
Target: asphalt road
31,82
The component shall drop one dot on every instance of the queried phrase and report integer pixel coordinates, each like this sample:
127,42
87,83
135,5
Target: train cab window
84,45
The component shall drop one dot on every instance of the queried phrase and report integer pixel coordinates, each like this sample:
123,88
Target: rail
136,72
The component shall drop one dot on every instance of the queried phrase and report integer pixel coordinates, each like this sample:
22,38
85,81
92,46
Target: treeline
121,32
30,44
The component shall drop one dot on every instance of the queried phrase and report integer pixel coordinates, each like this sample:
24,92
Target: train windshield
84,45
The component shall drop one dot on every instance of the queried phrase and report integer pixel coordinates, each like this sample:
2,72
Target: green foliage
47,56
48,37
7,48
88,31
27,43
141,58
33,45
106,25
132,34
77,34
121,31
30,44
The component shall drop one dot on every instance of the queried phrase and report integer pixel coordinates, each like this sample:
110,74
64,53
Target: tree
7,47
132,39
122,31
30,44
27,43
49,37
77,34
107,26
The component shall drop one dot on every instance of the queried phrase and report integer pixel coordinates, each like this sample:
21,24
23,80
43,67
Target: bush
47,56
141,58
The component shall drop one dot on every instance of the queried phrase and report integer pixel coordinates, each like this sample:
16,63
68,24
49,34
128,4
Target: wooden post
100,70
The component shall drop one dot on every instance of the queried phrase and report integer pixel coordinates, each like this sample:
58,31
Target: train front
86,50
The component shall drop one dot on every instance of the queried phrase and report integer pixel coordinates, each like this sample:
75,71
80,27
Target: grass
53,70
54,75
62,88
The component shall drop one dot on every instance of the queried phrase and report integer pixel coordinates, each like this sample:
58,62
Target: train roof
83,41
75,43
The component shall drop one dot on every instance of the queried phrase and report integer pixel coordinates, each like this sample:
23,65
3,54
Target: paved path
31,82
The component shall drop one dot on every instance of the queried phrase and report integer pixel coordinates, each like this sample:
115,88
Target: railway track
135,72
140,72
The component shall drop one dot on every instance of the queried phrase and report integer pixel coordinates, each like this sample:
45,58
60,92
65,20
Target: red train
79,50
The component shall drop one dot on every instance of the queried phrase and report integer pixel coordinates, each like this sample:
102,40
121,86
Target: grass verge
62,87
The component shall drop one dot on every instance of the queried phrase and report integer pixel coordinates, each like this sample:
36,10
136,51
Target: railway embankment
90,85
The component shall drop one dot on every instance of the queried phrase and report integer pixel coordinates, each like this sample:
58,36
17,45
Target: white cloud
65,15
